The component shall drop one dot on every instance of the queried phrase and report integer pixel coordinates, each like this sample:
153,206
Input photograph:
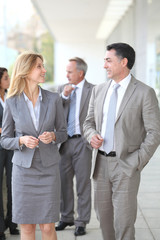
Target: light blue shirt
34,111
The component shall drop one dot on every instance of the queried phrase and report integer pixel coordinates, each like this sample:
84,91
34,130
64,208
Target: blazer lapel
1,108
43,109
129,91
25,113
85,91
100,100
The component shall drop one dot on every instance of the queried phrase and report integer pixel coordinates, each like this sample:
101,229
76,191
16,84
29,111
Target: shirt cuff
64,97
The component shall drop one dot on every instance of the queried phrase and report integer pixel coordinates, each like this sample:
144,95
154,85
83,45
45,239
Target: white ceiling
76,20
81,20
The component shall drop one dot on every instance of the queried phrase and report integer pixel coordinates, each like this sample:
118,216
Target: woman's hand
29,141
47,137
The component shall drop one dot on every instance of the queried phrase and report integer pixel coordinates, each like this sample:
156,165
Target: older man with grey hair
75,152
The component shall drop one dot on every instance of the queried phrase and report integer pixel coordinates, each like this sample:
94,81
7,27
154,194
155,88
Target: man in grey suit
75,154
118,161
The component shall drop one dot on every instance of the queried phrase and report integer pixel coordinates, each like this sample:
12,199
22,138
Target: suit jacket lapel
43,109
25,113
85,91
1,108
129,91
100,100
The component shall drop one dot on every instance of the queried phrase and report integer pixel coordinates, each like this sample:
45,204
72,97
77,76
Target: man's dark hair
124,50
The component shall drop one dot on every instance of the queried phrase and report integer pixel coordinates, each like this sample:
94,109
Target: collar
27,99
79,85
124,82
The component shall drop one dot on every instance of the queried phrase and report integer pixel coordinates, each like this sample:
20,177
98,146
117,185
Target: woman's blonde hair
22,67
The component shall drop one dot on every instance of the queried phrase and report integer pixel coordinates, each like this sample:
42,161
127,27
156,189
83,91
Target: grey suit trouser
75,161
115,198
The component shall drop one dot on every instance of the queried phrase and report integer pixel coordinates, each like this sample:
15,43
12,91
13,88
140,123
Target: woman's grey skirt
35,193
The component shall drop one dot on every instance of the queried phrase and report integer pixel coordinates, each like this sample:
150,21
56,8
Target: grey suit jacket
137,127
86,94
1,116
18,122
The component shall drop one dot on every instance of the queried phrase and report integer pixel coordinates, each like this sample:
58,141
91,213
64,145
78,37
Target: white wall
141,39
125,31
132,29
92,53
138,27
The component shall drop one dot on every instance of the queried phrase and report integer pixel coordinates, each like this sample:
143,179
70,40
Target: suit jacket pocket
130,164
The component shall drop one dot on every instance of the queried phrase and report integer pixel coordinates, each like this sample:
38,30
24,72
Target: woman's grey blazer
17,122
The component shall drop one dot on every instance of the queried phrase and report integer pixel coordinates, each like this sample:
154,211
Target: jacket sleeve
151,119
8,140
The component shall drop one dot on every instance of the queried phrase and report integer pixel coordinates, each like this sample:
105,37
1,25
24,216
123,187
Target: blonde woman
33,125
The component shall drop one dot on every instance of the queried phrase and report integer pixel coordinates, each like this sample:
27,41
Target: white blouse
34,111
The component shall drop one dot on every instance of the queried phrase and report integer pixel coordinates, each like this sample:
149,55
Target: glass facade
21,28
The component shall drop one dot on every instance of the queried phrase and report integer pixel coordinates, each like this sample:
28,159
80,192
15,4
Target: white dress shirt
34,111
120,94
79,89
